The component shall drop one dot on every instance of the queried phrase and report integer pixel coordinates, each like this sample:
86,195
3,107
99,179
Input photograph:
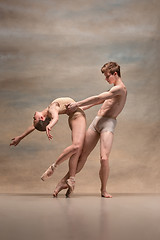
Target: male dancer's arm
95,100
17,139
87,106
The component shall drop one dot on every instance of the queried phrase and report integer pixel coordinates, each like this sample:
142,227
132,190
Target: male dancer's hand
48,130
71,107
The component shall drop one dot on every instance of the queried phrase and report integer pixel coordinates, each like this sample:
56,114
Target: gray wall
56,48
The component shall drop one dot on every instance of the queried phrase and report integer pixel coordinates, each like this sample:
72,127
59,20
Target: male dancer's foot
48,172
105,194
71,185
60,186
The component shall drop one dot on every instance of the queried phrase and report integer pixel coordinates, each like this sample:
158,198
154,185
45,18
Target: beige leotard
62,102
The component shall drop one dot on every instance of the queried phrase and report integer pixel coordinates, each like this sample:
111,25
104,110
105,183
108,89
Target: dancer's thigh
90,141
78,127
106,140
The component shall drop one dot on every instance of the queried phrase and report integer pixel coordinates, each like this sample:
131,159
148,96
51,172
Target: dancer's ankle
72,179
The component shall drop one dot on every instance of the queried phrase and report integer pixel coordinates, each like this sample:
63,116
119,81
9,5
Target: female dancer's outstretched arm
16,140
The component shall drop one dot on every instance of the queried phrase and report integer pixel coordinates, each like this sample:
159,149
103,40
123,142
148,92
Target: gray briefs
103,124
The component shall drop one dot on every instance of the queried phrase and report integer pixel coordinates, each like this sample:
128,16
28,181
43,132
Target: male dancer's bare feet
48,172
60,186
71,185
106,195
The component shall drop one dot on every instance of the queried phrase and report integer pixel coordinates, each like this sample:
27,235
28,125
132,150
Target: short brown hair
112,67
41,125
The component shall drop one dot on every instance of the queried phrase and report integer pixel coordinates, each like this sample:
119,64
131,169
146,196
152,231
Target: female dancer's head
40,122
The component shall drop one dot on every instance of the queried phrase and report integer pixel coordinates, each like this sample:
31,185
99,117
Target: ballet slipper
60,187
71,185
68,193
55,194
48,172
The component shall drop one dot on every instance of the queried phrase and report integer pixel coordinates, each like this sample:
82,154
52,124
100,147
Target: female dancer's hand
15,141
48,130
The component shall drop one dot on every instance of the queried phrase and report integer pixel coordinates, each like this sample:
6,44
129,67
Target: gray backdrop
54,48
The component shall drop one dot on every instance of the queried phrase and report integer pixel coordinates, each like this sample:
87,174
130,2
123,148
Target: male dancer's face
110,78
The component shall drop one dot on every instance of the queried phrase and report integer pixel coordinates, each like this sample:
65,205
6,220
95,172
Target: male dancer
103,125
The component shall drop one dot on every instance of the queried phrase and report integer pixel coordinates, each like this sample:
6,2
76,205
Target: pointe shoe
59,188
55,194
71,185
68,193
48,172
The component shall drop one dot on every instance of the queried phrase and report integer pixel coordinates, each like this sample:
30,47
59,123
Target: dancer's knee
104,160
77,147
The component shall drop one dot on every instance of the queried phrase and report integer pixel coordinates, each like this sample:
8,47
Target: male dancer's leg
106,139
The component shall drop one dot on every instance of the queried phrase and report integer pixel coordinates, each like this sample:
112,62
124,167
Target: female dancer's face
38,116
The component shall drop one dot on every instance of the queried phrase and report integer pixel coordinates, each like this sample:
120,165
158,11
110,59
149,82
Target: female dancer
45,120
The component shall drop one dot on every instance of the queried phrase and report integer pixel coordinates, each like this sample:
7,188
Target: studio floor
41,217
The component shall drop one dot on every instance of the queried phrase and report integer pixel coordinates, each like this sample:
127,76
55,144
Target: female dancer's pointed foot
60,186
48,172
71,185
106,195
68,193
55,194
